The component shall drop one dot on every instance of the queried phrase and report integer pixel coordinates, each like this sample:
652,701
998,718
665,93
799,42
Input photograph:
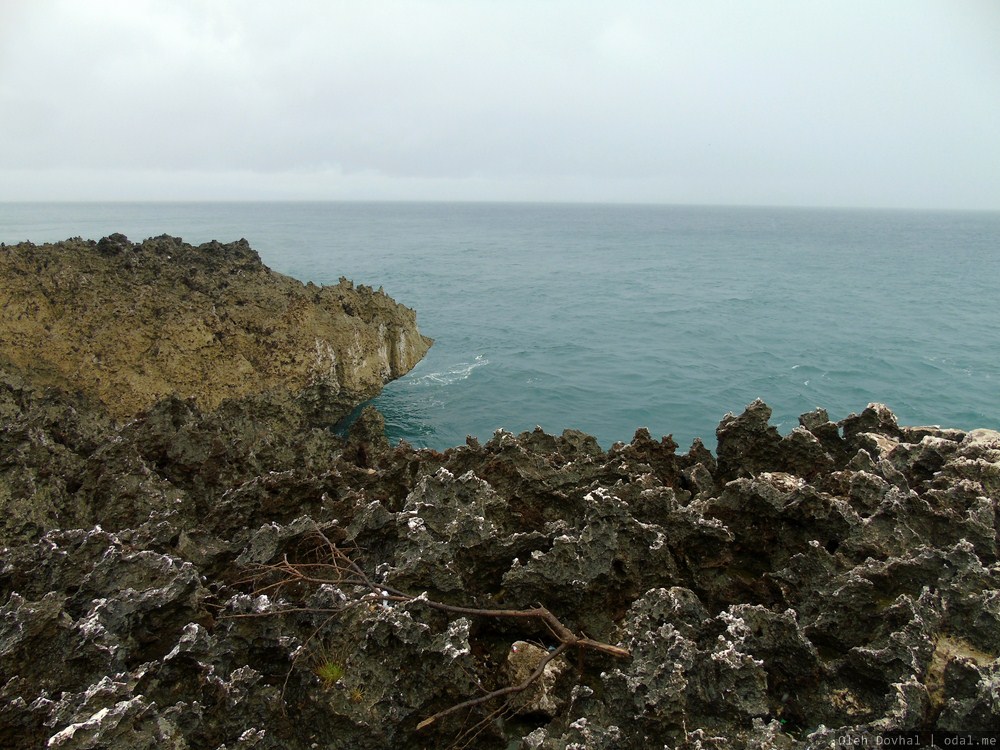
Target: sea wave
455,373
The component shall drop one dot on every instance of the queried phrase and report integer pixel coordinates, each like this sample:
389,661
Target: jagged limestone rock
813,585
523,661
129,324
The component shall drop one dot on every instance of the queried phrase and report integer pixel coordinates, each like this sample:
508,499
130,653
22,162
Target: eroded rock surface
844,577
129,324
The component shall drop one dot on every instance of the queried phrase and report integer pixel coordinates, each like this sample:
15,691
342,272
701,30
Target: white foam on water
454,374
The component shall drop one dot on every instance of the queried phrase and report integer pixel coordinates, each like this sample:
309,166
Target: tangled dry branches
333,566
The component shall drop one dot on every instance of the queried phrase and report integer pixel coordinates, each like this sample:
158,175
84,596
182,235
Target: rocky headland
229,573
128,324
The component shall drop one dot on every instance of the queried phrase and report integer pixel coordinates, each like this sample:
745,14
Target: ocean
606,318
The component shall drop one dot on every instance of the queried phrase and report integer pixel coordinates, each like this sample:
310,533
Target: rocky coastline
183,570
130,323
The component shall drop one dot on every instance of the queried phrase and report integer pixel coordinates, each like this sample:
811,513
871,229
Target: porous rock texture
841,577
129,324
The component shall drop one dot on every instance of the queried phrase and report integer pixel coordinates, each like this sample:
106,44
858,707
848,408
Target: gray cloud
894,103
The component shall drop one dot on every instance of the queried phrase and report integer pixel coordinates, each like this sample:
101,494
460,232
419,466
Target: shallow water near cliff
607,318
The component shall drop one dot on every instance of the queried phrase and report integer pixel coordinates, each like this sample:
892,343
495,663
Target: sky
861,103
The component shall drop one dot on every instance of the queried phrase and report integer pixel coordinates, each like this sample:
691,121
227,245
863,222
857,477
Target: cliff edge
129,324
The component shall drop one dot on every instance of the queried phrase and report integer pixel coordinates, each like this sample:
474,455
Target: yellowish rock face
129,324
523,660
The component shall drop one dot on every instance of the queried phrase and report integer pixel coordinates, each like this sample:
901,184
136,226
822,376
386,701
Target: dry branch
339,569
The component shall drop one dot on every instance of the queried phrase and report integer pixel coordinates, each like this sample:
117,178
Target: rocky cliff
222,571
129,324
229,579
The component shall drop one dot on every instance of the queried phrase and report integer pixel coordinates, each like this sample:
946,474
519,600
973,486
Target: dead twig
338,569
512,690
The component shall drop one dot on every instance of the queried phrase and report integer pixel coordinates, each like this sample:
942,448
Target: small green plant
329,672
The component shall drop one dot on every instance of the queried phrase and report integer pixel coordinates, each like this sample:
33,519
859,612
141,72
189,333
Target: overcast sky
889,103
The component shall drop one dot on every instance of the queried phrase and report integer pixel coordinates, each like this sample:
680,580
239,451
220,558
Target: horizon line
497,202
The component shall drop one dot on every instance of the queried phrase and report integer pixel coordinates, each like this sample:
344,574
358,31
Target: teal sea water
607,318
